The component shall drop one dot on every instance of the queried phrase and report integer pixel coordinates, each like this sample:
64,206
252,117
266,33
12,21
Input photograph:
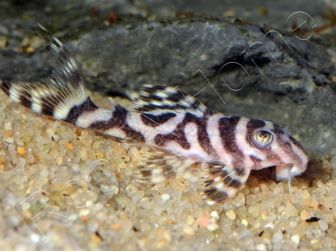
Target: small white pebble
190,220
75,168
323,225
188,230
277,237
50,132
88,204
101,216
231,214
92,225
98,206
20,163
314,241
165,197
44,173
204,57
9,140
36,238
214,214
83,154
59,160
296,238
14,220
87,178
261,247
239,200
212,227
244,222
8,125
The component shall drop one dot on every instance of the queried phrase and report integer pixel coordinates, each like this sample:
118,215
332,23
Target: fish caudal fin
62,96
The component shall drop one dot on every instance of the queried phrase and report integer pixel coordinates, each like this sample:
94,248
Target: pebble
8,126
296,238
323,225
165,197
277,237
214,214
212,227
14,220
75,168
101,216
176,205
239,200
188,230
250,200
204,57
231,214
254,210
261,247
190,220
305,215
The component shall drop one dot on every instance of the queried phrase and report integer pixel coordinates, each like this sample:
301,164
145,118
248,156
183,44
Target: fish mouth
285,171
290,170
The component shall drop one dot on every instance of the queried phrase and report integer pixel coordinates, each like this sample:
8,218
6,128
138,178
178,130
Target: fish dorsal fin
222,181
158,165
163,99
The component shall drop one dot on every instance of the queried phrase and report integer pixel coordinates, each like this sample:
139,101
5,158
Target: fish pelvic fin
222,181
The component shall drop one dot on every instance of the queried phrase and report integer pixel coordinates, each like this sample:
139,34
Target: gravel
43,163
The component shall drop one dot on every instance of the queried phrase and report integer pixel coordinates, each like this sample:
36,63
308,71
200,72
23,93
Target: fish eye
263,138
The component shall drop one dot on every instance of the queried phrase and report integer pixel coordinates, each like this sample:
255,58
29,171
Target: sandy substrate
65,188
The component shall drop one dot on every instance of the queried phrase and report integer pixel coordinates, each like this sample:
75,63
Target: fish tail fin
63,96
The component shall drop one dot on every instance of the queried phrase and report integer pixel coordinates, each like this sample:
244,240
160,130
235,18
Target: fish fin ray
159,166
221,181
65,70
57,96
163,99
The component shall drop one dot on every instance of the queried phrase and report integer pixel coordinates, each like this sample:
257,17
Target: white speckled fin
163,99
221,181
159,167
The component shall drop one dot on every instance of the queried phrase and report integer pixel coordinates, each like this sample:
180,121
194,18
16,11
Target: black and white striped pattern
163,99
181,129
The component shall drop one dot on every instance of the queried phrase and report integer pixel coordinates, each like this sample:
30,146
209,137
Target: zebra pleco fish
179,128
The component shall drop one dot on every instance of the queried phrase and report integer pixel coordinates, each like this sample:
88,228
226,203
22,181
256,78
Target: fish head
269,145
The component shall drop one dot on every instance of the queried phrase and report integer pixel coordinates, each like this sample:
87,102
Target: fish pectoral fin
158,100
159,166
222,181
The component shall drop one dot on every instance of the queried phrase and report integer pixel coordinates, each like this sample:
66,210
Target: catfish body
179,127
